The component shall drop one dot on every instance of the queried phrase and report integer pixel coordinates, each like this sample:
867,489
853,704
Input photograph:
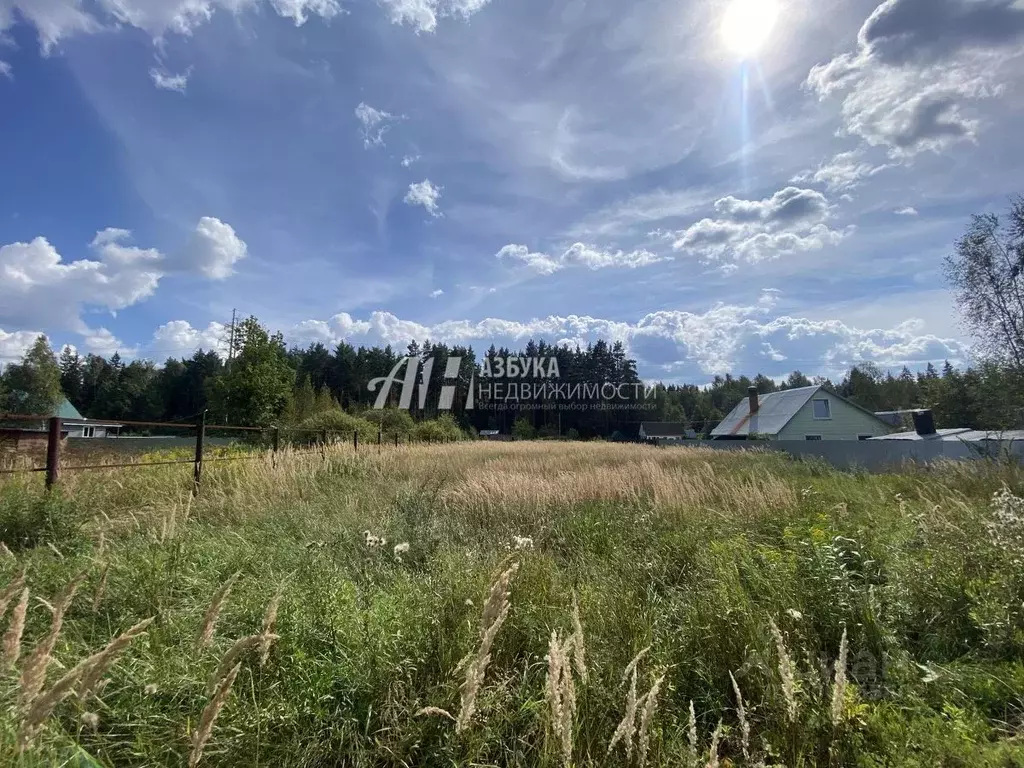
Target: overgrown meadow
514,604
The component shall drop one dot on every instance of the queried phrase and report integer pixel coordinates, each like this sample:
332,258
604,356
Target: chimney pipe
924,423
752,397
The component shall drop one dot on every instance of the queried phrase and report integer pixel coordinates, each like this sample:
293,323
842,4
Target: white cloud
374,124
409,160
907,211
212,250
423,14
14,345
435,293
179,339
725,338
5,70
578,254
426,194
843,172
169,82
38,288
56,20
789,221
59,19
100,341
918,67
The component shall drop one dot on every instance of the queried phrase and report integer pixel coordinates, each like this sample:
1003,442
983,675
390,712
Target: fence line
53,466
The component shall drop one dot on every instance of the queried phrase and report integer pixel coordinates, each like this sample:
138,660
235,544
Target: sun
747,25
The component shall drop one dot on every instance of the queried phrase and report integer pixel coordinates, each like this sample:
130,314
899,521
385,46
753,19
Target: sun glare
747,25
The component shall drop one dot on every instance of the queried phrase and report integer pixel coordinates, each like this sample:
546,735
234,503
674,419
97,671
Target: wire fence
269,438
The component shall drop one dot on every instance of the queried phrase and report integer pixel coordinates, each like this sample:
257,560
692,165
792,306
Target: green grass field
687,558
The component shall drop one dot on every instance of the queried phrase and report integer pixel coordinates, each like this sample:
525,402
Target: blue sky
479,171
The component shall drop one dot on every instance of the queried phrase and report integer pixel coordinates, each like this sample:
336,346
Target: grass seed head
209,717
787,672
741,714
12,637
495,611
839,682
647,717
205,634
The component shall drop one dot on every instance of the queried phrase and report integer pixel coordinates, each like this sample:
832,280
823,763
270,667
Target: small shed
75,425
666,430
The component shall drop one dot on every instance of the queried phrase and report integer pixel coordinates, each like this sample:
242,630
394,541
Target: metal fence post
53,452
197,471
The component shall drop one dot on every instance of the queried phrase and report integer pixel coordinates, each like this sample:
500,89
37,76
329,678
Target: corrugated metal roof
911,435
775,411
958,434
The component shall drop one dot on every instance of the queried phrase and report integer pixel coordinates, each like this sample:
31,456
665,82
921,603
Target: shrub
338,422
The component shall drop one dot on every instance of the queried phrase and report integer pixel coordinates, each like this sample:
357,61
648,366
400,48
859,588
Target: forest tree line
265,382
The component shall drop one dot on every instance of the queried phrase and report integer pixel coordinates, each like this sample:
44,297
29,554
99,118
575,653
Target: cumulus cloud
577,254
426,194
374,123
14,345
212,250
918,66
178,338
791,220
907,211
725,338
38,288
100,341
436,293
168,82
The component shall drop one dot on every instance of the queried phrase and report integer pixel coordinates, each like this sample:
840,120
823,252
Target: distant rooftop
775,410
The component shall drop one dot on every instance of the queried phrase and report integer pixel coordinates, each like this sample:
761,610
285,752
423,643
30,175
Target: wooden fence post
197,469
53,452
396,439
380,436
277,439
355,440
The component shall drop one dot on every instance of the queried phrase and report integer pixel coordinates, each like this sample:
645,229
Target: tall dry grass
706,562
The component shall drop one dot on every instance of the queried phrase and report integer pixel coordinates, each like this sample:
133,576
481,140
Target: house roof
892,418
665,429
775,410
67,411
958,434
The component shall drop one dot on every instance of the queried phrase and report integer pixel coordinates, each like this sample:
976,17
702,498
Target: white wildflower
401,549
522,542
1006,524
